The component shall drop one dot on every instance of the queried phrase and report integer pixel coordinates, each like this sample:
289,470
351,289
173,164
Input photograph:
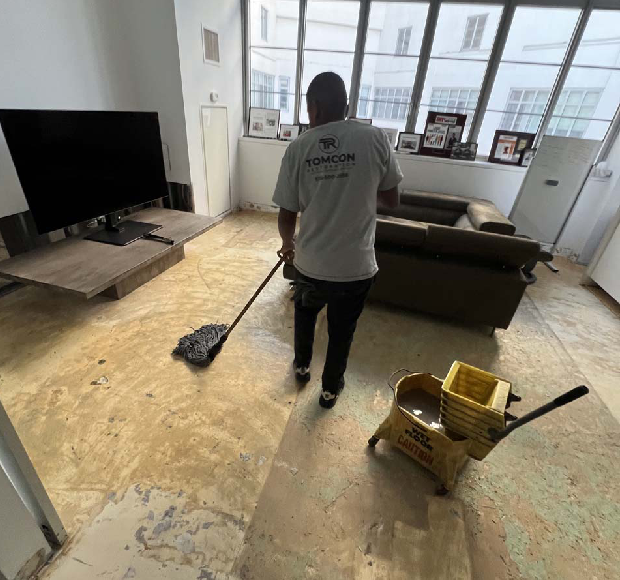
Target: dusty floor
167,471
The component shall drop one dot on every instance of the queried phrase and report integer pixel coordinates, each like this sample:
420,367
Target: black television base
123,233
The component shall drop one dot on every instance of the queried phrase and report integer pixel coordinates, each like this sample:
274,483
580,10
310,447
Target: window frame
508,9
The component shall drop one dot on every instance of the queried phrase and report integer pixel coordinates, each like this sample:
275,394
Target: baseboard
248,205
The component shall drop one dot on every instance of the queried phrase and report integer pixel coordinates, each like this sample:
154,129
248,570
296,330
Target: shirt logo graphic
329,143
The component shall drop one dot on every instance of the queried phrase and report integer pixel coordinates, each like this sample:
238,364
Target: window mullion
301,42
492,67
358,59
422,68
569,56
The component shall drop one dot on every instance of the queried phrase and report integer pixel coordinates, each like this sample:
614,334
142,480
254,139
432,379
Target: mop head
201,346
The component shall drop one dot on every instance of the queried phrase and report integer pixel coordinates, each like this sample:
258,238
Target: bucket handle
393,387
389,381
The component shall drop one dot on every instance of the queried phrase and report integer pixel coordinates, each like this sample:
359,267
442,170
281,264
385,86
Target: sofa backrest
446,209
481,246
400,232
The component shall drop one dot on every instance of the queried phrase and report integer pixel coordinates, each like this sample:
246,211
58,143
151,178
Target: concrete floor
167,471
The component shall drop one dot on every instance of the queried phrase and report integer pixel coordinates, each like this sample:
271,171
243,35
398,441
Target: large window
534,51
466,61
331,33
448,67
596,68
389,74
273,55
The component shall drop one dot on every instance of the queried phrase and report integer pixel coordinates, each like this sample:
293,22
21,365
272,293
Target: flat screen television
77,165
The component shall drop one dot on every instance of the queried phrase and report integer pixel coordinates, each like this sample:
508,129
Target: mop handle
568,397
250,302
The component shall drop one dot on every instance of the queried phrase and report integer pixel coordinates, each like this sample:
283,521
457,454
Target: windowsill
478,164
408,156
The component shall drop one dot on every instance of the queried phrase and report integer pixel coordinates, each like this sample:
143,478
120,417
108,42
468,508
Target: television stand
79,267
121,233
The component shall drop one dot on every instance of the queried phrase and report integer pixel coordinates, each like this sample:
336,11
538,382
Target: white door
215,147
607,271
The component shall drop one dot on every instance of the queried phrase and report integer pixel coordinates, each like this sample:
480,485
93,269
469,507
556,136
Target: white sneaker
302,374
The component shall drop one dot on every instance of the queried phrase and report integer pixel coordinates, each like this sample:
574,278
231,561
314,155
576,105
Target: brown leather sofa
452,256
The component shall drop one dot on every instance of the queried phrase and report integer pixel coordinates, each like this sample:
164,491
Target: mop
203,345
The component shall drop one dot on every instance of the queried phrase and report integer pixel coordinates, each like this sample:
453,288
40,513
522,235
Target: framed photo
264,123
436,136
391,134
303,127
526,157
409,142
464,151
442,131
509,145
289,132
367,121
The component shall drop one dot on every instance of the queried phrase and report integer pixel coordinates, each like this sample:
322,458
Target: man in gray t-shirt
333,174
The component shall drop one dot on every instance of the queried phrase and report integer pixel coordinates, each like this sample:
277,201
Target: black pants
345,302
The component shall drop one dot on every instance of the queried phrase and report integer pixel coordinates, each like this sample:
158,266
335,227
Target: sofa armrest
480,246
487,218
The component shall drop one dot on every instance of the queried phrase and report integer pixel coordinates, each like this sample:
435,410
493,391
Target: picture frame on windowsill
409,143
391,134
527,156
464,151
508,146
264,123
288,132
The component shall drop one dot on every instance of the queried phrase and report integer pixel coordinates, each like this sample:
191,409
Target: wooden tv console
85,268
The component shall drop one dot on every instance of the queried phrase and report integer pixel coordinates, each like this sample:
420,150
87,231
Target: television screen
77,165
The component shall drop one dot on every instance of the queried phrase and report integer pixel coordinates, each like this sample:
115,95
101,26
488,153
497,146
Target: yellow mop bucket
441,423
413,426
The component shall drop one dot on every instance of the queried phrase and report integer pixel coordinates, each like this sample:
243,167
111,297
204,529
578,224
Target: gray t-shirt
331,174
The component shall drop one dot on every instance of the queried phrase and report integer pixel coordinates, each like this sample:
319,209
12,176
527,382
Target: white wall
89,54
200,78
260,162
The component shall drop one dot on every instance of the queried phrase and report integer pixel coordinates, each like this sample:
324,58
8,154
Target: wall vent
210,45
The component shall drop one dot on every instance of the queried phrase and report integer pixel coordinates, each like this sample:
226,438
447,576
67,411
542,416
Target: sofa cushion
399,231
464,223
482,246
455,203
487,218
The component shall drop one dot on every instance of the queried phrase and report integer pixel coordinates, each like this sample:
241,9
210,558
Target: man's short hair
328,89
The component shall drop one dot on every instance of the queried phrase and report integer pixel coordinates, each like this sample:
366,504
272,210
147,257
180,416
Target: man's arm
287,220
388,198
